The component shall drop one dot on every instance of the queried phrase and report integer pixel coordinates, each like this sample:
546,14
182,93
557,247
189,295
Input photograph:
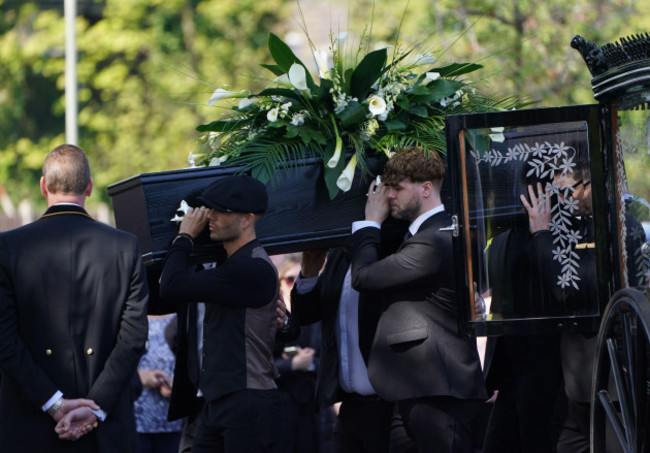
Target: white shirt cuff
100,414
356,226
305,284
51,401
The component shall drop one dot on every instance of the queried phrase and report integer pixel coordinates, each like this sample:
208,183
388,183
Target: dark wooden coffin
300,215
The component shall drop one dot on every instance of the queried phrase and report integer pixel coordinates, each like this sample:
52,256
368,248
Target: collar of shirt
417,223
67,204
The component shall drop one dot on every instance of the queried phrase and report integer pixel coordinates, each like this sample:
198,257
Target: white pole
71,129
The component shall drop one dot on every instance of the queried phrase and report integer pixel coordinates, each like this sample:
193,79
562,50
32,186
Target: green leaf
456,69
325,86
309,134
394,125
367,72
439,89
275,69
284,57
285,93
281,53
418,110
420,90
222,126
354,113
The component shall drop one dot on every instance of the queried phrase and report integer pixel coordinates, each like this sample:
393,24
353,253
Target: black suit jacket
73,299
417,350
322,304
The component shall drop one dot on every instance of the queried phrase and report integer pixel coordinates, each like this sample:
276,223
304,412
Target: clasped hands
75,419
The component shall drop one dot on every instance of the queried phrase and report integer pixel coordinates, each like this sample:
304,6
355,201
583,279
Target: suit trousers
363,425
247,421
440,424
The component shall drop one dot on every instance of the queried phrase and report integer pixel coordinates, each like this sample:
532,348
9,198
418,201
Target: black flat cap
236,193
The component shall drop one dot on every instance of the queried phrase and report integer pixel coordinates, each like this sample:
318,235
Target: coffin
300,216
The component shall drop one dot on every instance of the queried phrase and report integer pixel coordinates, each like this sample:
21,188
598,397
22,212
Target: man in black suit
73,305
241,411
363,423
418,358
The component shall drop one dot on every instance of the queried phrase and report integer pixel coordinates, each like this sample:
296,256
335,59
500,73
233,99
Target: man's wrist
100,414
184,235
54,408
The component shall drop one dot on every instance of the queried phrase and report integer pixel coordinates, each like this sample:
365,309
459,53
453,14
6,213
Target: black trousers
363,425
247,421
440,424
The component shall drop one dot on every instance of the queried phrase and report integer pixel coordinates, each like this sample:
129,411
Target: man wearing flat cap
241,412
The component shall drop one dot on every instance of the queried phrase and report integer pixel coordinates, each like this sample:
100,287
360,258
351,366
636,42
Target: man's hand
311,262
303,360
539,209
153,379
72,404
194,221
76,423
377,208
281,312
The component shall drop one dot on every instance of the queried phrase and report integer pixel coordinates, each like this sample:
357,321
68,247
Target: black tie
192,345
407,236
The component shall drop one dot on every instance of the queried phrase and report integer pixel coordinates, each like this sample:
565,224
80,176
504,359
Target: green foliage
146,67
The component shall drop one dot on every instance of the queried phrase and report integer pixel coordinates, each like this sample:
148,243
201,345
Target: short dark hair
66,170
415,164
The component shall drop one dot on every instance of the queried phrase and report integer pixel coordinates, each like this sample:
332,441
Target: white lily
245,102
376,105
497,134
431,76
218,161
298,76
344,181
340,40
220,94
322,62
182,208
283,80
337,149
272,115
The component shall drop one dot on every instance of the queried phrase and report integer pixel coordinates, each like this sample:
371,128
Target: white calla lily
344,181
322,63
218,161
220,94
376,105
298,76
431,76
245,102
283,80
337,153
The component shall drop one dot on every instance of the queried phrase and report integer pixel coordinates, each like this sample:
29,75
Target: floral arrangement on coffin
378,101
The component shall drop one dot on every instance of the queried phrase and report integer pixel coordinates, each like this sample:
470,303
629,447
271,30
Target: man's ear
248,220
427,188
89,188
43,186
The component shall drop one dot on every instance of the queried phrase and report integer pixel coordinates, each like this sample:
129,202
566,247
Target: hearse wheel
621,381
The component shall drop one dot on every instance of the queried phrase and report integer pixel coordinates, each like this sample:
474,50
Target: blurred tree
147,67
145,70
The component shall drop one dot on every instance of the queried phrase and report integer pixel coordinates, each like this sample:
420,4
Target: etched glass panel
540,261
